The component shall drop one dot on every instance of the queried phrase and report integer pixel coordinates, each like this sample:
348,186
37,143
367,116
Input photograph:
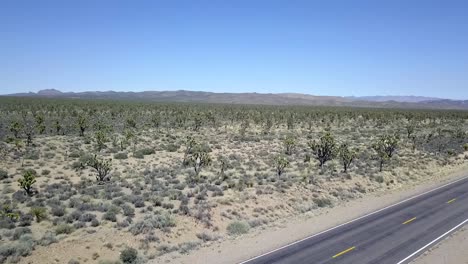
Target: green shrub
40,213
144,152
172,147
379,178
47,239
465,147
129,256
323,202
121,156
110,216
64,229
151,222
238,228
3,174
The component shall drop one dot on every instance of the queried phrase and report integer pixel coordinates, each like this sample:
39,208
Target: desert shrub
128,210
20,197
94,223
322,202
58,211
237,228
129,256
87,217
257,222
25,219
139,154
45,172
3,174
151,222
73,216
110,216
123,224
21,248
64,229
186,247
379,179
79,225
171,148
73,261
465,147
48,238
40,213
207,237
121,156
18,232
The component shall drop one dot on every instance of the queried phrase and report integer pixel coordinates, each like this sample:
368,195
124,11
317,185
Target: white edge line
433,241
369,214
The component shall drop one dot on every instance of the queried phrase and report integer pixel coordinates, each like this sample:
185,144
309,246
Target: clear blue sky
338,48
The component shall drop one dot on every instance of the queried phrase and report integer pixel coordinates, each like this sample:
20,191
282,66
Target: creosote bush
238,228
129,256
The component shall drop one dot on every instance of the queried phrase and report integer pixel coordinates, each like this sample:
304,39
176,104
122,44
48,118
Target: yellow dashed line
343,252
409,221
451,201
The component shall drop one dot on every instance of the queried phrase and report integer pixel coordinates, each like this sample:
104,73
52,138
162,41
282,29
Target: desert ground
450,250
112,182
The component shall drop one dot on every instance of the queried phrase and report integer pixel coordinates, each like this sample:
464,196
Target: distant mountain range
259,98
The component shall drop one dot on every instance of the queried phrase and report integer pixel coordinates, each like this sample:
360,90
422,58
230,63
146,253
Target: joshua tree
101,139
385,148
409,130
40,123
224,164
325,149
289,144
189,145
29,131
197,121
346,155
102,168
27,182
290,122
82,124
156,121
281,163
199,160
16,128
58,126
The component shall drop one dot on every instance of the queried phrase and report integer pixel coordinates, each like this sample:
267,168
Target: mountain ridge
258,98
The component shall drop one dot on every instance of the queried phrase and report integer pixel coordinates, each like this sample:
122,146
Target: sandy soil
292,229
451,250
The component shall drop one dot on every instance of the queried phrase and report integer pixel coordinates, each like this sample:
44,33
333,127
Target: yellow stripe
451,201
409,221
343,252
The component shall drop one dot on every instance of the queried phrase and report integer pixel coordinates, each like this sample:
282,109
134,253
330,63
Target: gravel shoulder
452,249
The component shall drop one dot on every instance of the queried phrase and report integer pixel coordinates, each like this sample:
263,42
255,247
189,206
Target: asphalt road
396,234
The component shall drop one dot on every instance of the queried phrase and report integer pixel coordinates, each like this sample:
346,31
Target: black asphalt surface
383,237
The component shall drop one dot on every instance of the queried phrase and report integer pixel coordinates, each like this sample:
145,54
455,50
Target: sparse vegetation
217,170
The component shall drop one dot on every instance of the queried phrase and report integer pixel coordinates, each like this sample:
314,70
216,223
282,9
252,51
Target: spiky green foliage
281,163
324,149
16,128
198,160
27,181
347,155
102,168
82,124
385,147
40,213
289,144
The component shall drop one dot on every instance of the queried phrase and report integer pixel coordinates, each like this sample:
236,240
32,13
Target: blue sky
316,47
